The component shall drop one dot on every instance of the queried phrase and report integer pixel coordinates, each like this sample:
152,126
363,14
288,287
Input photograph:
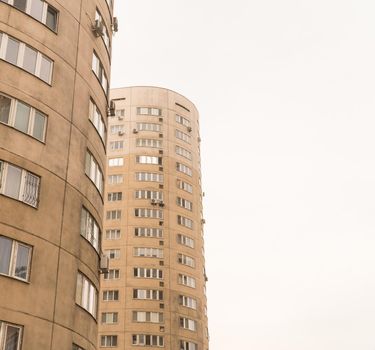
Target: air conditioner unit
121,133
161,204
189,128
115,24
135,131
153,202
98,28
203,221
104,263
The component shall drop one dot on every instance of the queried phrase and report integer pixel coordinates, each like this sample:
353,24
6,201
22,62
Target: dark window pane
20,4
22,117
37,9
12,338
5,251
22,262
51,21
29,60
39,122
4,109
12,51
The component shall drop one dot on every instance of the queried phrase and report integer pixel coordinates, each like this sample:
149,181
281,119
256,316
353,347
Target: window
116,162
189,324
110,295
184,169
184,186
105,35
148,316
183,152
149,160
147,194
141,272
184,203
148,232
183,221
112,274
90,228
182,136
148,213
93,171
114,196
113,234
148,127
187,345
187,301
148,252
10,336
147,340
148,294
185,240
23,56
98,69
109,317
113,214
115,129
115,179
182,120
76,347
186,260
108,341
116,145
148,111
120,112
112,253
38,9
86,294
154,143
96,119
151,177
19,184
22,117
186,280
15,258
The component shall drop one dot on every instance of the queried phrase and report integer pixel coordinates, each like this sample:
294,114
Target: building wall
171,104
44,305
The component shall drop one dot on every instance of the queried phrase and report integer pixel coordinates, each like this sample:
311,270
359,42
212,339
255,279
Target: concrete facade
154,131
42,309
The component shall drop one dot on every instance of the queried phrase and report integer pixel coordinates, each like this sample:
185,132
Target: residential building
54,71
153,294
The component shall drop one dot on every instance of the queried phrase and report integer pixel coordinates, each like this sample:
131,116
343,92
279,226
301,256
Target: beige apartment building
153,294
54,70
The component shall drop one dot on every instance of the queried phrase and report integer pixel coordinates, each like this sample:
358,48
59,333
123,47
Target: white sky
286,93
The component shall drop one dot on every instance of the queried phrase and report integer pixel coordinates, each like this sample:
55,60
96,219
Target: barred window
18,183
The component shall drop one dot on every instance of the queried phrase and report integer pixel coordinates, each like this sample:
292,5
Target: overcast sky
286,94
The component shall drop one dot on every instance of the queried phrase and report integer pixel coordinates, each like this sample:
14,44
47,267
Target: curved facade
154,291
54,69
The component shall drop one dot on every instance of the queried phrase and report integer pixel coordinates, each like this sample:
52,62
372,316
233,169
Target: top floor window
149,111
21,55
38,9
98,69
